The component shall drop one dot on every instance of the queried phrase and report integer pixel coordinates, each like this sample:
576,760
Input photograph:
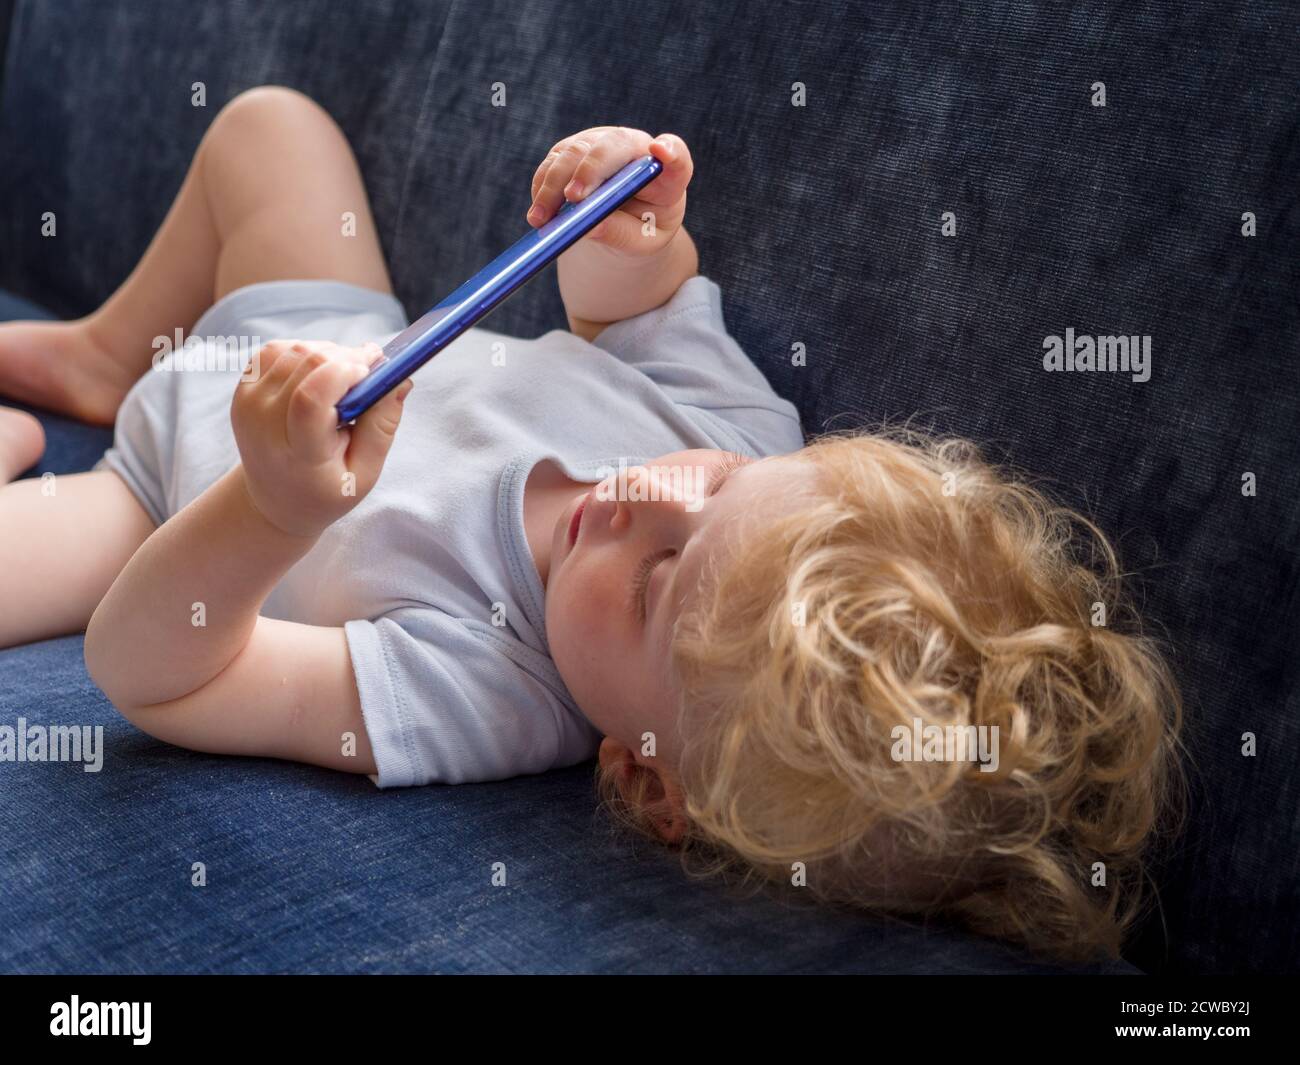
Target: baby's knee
270,113
22,442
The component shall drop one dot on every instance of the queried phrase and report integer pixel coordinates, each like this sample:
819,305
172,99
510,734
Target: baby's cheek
588,623
594,617
574,612
584,651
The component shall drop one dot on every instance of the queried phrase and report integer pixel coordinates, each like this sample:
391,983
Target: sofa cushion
170,861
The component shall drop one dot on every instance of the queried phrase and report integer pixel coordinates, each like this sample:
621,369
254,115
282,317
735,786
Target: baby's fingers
568,153
610,153
372,436
311,421
670,186
592,154
549,196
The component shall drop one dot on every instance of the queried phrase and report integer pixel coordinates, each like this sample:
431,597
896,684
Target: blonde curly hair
925,588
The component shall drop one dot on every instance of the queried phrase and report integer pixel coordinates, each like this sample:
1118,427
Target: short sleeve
446,703
684,347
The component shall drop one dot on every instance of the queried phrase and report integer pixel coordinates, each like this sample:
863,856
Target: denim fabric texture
822,224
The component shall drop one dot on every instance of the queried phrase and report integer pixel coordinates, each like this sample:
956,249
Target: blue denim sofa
822,223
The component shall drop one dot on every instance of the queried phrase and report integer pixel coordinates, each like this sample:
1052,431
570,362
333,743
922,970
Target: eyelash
646,567
641,580
728,465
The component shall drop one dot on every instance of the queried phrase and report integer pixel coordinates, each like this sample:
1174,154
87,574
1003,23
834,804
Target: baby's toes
22,443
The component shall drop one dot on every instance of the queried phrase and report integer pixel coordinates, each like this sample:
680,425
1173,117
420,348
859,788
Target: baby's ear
652,791
617,760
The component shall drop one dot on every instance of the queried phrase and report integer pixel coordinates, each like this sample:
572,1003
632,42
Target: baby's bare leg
63,541
264,199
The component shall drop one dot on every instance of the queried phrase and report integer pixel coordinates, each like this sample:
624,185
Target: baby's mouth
575,523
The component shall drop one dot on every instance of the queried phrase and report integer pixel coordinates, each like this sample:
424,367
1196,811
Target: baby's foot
62,367
22,442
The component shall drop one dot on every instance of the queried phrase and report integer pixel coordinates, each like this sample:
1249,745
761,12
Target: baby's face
626,560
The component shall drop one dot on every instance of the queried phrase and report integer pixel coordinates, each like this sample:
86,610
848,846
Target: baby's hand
302,471
579,163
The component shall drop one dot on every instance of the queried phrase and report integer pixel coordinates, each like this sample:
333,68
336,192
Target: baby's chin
557,620
559,654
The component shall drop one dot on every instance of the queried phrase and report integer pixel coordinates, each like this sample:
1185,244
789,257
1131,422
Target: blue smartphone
472,302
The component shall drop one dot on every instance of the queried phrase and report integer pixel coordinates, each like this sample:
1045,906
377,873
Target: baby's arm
177,643
626,265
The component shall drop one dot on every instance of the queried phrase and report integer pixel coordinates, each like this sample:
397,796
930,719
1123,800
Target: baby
873,666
